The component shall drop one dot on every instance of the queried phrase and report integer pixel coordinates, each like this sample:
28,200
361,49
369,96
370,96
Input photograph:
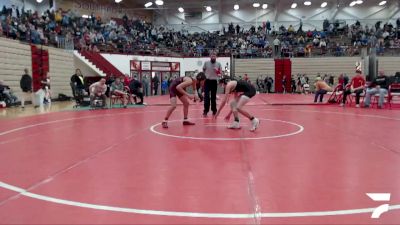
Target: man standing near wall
146,85
26,87
212,70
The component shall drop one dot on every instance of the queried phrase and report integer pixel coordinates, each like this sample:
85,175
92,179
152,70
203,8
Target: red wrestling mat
304,165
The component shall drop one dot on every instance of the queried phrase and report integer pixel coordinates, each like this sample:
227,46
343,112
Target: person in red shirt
127,80
357,86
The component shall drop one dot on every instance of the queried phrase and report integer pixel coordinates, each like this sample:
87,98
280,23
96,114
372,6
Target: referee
212,70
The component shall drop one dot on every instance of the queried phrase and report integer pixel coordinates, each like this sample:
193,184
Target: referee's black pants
210,87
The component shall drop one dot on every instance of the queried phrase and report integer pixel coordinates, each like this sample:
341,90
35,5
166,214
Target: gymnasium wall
309,66
61,69
14,58
254,67
329,65
390,65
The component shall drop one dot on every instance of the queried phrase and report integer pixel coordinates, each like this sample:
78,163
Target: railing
65,43
74,44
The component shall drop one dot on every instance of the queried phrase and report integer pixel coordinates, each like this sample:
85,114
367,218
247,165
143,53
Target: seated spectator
378,86
136,89
316,42
7,92
301,51
118,89
308,50
77,85
301,40
338,50
322,45
98,91
291,29
321,88
356,86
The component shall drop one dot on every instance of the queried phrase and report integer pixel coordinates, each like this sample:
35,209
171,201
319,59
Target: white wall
85,69
122,62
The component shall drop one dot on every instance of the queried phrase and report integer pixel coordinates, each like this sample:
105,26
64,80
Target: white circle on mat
299,130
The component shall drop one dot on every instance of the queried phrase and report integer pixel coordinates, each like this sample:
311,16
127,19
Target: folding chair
116,98
352,96
131,97
336,95
394,91
375,100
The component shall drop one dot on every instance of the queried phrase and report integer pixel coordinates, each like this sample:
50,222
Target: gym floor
306,164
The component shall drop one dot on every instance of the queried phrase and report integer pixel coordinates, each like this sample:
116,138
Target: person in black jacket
156,83
26,87
135,87
77,85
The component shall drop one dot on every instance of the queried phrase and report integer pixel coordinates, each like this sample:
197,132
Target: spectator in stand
64,26
379,86
26,87
321,88
308,50
98,90
356,86
276,46
118,89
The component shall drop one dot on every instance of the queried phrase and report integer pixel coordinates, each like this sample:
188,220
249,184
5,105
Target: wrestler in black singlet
247,89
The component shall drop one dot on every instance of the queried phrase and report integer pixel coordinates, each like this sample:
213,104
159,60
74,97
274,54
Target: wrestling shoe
234,125
188,123
164,124
255,122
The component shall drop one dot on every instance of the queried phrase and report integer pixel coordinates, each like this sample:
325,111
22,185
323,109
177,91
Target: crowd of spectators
133,36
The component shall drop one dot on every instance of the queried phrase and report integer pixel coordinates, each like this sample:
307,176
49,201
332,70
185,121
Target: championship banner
135,65
175,67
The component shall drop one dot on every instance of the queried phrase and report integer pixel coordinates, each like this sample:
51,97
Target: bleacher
14,58
254,68
390,65
327,65
61,69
